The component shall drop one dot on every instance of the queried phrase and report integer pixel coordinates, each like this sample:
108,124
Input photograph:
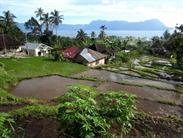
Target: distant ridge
153,24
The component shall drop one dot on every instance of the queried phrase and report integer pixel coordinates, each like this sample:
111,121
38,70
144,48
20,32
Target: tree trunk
5,50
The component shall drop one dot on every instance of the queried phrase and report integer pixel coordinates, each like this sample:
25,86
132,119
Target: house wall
30,52
97,63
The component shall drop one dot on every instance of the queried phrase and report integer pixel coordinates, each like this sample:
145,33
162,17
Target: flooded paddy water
46,88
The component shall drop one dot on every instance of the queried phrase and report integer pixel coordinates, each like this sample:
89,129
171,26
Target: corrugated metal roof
91,55
87,55
33,46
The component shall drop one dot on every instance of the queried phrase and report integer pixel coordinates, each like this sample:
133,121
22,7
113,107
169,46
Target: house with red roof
84,56
70,52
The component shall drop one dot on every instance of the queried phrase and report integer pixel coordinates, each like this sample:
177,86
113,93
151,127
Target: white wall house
35,49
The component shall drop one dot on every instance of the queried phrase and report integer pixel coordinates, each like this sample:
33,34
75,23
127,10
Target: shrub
82,114
78,114
117,107
122,56
4,119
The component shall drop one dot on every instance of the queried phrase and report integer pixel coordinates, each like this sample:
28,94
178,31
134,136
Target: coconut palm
102,32
81,35
103,27
7,20
39,13
56,19
46,21
7,23
93,35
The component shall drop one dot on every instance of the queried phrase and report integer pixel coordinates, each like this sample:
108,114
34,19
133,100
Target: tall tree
46,21
93,35
81,35
56,19
39,13
34,26
166,34
102,32
7,24
7,20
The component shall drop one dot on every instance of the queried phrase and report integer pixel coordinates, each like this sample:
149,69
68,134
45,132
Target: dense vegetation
9,27
86,114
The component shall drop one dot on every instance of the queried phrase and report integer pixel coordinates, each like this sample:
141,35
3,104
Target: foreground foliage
35,111
83,115
5,132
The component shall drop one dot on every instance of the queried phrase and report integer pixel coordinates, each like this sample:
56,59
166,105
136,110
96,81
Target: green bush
78,114
5,118
84,114
118,107
122,56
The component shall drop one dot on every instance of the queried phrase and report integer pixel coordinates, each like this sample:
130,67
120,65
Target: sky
170,12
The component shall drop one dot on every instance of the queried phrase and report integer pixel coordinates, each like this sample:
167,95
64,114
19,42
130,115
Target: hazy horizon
84,11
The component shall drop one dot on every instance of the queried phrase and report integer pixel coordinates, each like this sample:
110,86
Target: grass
35,111
7,98
38,66
13,70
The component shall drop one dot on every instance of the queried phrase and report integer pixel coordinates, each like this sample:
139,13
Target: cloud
83,11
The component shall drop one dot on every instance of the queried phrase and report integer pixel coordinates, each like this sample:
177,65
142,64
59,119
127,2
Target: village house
70,53
90,58
102,49
35,49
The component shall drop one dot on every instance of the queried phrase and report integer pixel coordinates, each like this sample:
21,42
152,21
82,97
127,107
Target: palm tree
81,35
103,27
56,19
102,32
33,25
93,35
39,13
46,21
7,20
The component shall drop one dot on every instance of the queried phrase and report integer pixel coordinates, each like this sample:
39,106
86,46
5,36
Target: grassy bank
19,69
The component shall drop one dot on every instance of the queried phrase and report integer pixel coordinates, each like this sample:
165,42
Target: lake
122,33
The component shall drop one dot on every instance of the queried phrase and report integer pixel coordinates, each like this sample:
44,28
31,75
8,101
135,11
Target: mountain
153,24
